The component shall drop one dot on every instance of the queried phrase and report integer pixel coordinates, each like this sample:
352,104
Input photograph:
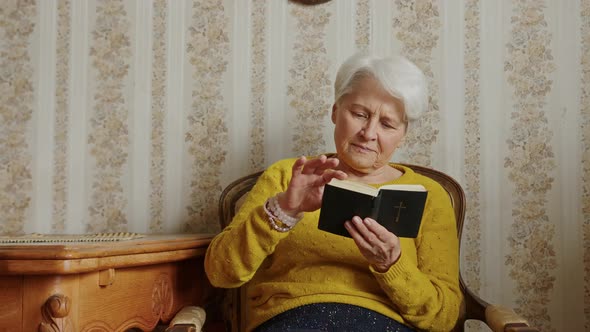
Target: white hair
400,77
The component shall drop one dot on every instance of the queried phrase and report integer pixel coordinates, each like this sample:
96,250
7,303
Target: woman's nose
369,131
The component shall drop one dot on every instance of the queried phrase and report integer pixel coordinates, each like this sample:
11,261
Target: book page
354,186
404,187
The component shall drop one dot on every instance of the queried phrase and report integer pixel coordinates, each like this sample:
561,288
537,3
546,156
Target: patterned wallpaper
17,25
471,250
108,138
309,86
585,147
207,134
258,78
530,161
111,156
158,129
62,92
417,26
363,25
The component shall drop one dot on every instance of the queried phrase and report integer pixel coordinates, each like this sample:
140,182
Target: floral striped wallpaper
585,148
417,27
258,79
309,84
132,115
158,115
62,73
108,138
471,250
16,110
530,161
206,135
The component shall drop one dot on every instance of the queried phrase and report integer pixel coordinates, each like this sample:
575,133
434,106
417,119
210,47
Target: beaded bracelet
273,222
274,211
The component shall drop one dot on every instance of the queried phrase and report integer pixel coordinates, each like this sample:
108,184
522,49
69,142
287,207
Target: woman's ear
334,109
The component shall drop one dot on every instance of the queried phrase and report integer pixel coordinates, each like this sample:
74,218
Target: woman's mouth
362,148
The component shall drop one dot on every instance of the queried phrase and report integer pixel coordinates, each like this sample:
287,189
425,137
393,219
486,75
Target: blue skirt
331,317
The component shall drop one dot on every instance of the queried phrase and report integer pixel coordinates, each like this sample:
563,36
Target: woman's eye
359,115
388,125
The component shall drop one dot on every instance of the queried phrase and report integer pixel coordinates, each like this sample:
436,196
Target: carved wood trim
161,308
55,313
162,298
135,323
97,327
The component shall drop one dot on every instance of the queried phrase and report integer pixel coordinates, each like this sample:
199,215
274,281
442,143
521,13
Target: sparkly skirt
331,317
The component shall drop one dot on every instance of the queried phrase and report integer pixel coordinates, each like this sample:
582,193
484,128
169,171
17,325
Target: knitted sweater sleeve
235,254
427,294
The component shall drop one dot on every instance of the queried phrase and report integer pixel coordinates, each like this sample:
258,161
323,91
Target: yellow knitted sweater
305,265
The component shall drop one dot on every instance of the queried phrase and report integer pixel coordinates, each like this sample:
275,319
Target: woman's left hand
378,245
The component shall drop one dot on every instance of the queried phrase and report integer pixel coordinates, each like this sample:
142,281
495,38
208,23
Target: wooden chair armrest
502,319
189,319
497,318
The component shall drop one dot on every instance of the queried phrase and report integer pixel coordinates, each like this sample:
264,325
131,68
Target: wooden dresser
100,285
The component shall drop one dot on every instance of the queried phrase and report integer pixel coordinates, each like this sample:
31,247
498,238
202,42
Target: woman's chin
358,164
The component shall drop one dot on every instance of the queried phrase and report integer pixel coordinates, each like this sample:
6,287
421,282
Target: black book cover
400,211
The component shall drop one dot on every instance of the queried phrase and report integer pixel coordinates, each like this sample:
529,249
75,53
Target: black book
398,207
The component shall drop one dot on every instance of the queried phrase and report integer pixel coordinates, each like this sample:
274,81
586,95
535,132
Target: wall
132,115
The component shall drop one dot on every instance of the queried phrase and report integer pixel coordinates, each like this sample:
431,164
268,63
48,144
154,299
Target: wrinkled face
369,126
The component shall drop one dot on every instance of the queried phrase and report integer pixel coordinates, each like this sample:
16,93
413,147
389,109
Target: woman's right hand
304,193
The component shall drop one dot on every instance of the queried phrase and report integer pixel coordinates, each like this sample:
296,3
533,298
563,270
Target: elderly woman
299,278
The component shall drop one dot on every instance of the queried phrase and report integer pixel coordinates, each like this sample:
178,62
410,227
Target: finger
379,254
356,236
370,251
380,232
364,231
332,162
319,170
329,164
330,174
385,239
312,164
298,165
319,165
357,230
377,237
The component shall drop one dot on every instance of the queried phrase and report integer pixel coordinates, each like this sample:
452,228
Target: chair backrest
232,194
474,308
229,203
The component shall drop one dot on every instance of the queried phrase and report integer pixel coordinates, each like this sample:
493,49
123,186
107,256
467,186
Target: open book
398,207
